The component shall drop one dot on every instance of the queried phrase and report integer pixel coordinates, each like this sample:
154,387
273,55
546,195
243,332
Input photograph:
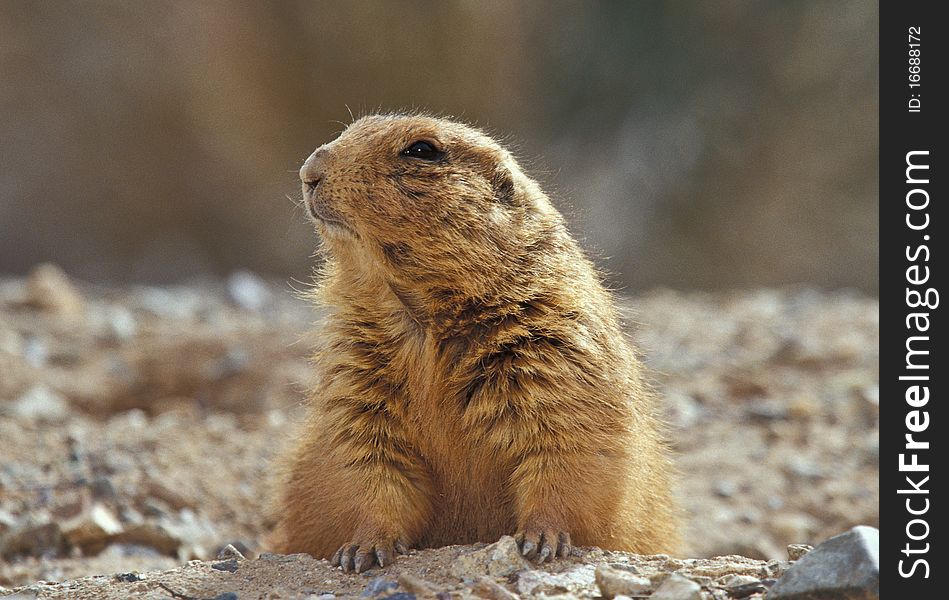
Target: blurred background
692,145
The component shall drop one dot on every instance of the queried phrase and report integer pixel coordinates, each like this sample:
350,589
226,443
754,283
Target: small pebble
614,582
677,587
40,403
248,291
796,551
377,586
230,551
228,565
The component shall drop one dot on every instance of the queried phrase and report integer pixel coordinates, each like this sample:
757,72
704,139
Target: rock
582,577
233,362
500,559
416,585
48,288
35,351
768,410
195,530
677,587
278,558
614,582
31,593
165,303
487,587
682,410
248,291
92,530
803,407
7,521
749,589
870,394
625,567
153,535
378,586
725,488
171,497
805,468
230,551
738,580
229,565
154,508
122,325
33,540
40,403
846,566
775,569
796,551
117,552
102,488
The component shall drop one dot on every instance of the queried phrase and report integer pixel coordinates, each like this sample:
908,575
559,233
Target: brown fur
474,379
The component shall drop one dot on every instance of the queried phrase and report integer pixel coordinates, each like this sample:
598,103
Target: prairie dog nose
314,167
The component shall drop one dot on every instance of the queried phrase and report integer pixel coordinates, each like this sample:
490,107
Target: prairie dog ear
503,185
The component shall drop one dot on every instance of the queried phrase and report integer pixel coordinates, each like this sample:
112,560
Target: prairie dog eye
422,150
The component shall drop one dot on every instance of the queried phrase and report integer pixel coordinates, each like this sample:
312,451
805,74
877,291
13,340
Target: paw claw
359,558
346,561
543,546
565,546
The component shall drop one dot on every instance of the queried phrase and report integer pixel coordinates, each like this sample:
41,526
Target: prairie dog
474,380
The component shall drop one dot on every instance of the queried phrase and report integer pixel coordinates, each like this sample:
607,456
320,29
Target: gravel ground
137,427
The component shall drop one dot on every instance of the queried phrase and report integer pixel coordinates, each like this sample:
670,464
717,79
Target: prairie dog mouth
335,227
330,223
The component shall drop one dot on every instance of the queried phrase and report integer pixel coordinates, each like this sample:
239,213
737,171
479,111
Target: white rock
93,530
677,587
49,289
500,559
35,351
229,551
534,581
40,403
122,324
7,521
615,582
248,291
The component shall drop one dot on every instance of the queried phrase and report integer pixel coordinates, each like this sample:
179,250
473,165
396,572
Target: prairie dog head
424,198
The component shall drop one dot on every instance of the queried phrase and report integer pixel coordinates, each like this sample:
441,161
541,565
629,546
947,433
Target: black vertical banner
913,371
